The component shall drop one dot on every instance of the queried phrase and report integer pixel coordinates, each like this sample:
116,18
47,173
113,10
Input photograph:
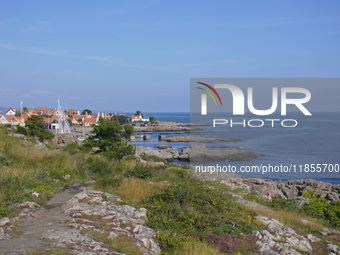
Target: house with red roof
90,121
10,111
42,110
9,119
136,118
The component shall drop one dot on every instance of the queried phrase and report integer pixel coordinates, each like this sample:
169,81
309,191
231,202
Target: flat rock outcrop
197,153
197,139
281,238
88,208
292,189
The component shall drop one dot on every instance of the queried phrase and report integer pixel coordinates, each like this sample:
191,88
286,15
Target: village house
136,118
51,123
10,111
90,121
71,112
32,112
76,121
9,119
42,111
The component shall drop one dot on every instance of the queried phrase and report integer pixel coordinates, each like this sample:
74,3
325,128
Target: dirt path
48,217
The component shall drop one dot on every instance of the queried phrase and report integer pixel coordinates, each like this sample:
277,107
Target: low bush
279,203
225,243
139,171
72,148
152,158
21,130
319,207
193,207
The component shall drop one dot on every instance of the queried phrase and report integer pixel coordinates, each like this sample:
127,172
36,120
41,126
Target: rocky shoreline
292,189
196,153
196,139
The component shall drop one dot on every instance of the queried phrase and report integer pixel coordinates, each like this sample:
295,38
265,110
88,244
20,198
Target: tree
89,112
111,139
152,119
36,127
122,119
18,112
138,113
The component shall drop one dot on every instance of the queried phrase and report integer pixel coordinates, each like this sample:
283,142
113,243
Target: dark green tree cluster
152,119
111,138
36,127
122,119
89,112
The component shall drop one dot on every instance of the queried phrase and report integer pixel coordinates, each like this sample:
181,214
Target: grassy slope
182,209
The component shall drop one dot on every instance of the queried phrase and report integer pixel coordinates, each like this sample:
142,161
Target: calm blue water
183,117
316,140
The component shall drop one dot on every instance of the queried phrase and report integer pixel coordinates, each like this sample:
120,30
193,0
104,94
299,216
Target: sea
311,150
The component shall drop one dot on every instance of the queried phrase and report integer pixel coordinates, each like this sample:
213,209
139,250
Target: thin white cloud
102,59
217,63
128,64
7,91
75,73
35,93
54,52
39,27
42,51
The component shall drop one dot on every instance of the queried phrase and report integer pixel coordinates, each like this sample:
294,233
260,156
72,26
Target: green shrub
315,207
4,161
332,213
170,239
319,207
21,130
189,208
139,171
280,203
72,148
152,158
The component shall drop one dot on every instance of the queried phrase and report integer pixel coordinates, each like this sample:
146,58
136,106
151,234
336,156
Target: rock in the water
200,153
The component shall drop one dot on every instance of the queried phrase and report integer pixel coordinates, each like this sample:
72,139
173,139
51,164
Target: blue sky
140,55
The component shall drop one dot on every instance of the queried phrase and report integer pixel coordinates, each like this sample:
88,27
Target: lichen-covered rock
4,221
94,211
3,235
280,237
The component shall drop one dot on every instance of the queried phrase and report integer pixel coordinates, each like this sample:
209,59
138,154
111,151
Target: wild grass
293,219
122,244
178,205
50,251
194,247
135,190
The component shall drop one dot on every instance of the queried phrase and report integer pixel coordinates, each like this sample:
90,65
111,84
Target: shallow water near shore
316,140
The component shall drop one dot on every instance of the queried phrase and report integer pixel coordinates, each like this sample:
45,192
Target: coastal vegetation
36,127
190,216
111,139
